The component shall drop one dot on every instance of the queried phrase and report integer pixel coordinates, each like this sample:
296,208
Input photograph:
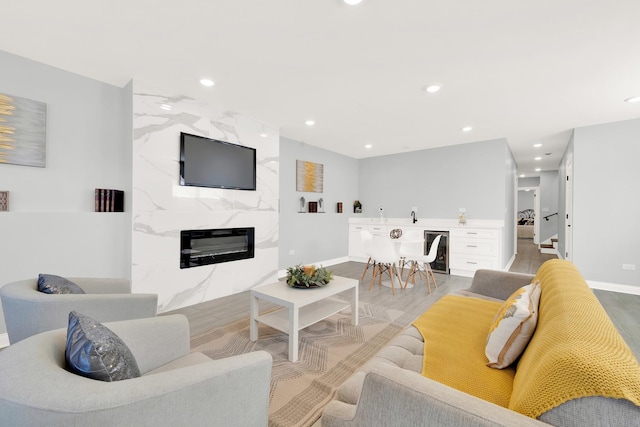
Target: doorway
568,219
528,214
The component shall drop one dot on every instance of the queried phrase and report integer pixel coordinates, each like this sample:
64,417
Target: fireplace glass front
203,247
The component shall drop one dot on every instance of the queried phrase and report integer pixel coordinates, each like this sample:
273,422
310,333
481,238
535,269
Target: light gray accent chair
177,388
28,312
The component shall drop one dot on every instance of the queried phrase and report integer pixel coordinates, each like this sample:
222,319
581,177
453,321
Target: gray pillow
52,284
94,351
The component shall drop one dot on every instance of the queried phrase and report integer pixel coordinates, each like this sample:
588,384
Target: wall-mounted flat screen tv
206,162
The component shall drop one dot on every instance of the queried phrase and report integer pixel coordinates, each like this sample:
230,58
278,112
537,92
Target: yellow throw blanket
575,351
455,331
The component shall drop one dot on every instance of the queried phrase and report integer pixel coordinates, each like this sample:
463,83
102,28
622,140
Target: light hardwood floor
623,309
529,258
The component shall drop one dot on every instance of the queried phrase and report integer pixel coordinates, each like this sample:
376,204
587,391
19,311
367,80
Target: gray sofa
177,388
390,390
28,312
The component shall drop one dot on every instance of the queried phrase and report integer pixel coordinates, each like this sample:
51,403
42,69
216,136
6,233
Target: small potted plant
308,276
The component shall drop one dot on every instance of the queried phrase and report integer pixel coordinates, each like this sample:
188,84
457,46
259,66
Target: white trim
549,251
508,266
4,340
614,287
283,273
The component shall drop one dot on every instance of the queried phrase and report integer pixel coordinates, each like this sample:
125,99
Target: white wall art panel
162,208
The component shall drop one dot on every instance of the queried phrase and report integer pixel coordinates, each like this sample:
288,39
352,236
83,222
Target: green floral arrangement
308,276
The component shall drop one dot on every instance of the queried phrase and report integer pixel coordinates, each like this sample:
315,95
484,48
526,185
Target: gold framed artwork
23,125
4,201
309,176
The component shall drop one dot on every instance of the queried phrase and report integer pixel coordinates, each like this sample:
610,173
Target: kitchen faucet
413,217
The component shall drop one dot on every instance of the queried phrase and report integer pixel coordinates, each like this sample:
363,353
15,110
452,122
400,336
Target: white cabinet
470,247
356,251
474,248
378,230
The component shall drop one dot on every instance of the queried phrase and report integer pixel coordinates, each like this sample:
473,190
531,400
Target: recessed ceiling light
537,145
537,158
433,88
353,2
522,176
166,107
309,123
633,99
206,82
538,169
264,134
466,129
368,146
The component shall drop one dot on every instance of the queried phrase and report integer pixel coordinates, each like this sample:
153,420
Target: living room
103,136
51,216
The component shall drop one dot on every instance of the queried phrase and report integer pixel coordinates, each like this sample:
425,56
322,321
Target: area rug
330,351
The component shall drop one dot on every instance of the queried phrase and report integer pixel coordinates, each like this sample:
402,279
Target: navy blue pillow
52,284
95,351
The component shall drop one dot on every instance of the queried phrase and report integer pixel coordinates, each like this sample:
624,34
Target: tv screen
206,162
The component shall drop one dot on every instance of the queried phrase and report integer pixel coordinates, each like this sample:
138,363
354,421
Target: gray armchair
177,388
28,312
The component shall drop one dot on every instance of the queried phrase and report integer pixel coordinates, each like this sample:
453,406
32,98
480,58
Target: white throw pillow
513,326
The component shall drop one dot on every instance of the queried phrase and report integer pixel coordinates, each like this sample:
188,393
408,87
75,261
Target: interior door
568,221
536,221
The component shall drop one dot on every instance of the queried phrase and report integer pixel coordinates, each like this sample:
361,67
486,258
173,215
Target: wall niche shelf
312,206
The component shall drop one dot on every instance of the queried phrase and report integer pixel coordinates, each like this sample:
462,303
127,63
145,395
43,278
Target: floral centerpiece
308,276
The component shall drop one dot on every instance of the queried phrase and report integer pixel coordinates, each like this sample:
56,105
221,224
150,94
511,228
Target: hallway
529,258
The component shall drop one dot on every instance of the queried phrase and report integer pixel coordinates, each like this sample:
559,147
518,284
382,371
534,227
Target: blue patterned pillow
95,351
51,284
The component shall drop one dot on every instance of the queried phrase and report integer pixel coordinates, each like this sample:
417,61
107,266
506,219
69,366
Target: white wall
52,226
509,207
533,181
525,199
479,177
438,181
606,232
315,237
162,208
562,198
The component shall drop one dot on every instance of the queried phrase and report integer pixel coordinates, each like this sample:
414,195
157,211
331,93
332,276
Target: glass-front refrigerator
441,263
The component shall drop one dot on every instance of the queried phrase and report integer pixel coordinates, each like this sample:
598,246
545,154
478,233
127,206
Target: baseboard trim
549,251
508,266
4,340
326,263
614,287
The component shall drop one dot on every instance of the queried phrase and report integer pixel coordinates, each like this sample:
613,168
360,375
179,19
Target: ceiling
527,71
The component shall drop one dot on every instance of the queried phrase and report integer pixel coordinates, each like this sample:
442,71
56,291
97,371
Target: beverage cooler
441,263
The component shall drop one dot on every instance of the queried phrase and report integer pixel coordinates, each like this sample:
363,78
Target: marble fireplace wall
161,207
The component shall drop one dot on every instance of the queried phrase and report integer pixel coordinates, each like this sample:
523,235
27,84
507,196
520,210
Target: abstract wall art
23,124
309,176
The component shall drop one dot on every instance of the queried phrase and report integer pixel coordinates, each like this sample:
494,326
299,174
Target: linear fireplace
203,247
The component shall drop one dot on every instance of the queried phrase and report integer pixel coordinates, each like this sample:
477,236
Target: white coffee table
301,307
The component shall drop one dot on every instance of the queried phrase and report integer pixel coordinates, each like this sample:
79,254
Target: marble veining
161,207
